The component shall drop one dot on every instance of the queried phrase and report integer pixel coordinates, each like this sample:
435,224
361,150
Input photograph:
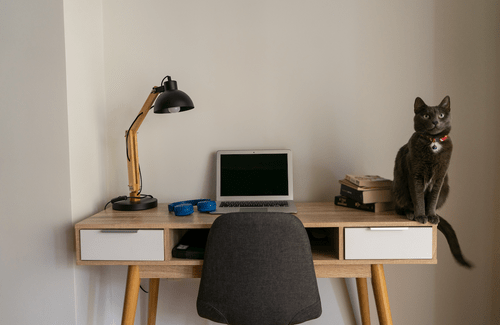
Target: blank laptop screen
254,174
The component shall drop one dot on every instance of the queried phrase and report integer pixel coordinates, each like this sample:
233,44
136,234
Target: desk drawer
388,243
122,245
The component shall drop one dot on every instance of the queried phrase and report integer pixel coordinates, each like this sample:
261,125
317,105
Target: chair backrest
258,269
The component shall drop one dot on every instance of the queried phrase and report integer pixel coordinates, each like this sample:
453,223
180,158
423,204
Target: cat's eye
441,115
426,116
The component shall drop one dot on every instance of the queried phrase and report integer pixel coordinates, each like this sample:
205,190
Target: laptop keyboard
253,204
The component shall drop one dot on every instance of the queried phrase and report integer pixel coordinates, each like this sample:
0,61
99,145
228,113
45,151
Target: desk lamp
170,100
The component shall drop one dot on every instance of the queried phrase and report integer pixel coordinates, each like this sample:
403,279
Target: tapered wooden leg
154,285
131,295
364,304
381,296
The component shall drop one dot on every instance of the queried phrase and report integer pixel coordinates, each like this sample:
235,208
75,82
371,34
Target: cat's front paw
434,219
421,219
410,216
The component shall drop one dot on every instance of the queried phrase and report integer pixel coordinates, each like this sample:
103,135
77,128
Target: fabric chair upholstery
258,269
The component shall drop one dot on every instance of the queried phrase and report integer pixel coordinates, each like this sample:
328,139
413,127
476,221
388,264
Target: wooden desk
331,260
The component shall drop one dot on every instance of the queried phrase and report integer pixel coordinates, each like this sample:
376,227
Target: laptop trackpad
253,209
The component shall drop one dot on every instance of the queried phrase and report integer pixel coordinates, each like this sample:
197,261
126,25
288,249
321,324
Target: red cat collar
440,139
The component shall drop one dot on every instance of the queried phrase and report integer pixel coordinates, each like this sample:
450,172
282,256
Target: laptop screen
251,175
258,174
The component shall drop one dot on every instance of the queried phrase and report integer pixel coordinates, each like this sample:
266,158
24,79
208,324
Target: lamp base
143,204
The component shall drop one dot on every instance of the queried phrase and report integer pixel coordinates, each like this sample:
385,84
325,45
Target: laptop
254,181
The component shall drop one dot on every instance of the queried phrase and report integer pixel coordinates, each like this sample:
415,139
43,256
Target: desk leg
364,304
381,296
154,285
131,295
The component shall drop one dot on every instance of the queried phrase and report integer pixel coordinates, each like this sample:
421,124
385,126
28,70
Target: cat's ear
445,103
419,104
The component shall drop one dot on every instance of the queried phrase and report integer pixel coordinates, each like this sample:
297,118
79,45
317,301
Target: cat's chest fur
423,147
429,157
436,144
435,147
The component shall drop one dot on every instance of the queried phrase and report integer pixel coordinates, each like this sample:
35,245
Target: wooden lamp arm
134,180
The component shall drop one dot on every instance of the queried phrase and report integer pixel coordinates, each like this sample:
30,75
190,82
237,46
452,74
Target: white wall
316,77
87,120
333,81
86,104
36,241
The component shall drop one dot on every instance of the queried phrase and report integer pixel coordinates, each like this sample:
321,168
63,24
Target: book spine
350,203
351,193
368,196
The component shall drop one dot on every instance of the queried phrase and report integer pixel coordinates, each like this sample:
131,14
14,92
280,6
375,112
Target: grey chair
258,269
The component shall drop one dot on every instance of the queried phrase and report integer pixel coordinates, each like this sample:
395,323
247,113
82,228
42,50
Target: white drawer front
388,243
122,245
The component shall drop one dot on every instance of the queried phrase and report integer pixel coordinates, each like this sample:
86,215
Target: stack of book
365,192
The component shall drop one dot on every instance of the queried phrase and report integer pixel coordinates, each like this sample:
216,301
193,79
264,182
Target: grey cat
420,185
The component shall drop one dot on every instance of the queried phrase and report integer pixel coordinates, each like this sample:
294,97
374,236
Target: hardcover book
363,188
372,207
367,195
369,180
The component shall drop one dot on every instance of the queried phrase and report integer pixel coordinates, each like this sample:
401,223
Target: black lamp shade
172,97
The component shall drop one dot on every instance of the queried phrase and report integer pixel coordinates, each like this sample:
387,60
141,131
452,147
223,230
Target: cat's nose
435,122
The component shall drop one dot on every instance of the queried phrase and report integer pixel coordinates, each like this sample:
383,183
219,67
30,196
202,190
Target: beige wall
335,82
36,236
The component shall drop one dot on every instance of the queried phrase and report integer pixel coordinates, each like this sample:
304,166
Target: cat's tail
452,240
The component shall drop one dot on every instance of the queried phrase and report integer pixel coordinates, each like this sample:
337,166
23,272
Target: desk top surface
312,214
